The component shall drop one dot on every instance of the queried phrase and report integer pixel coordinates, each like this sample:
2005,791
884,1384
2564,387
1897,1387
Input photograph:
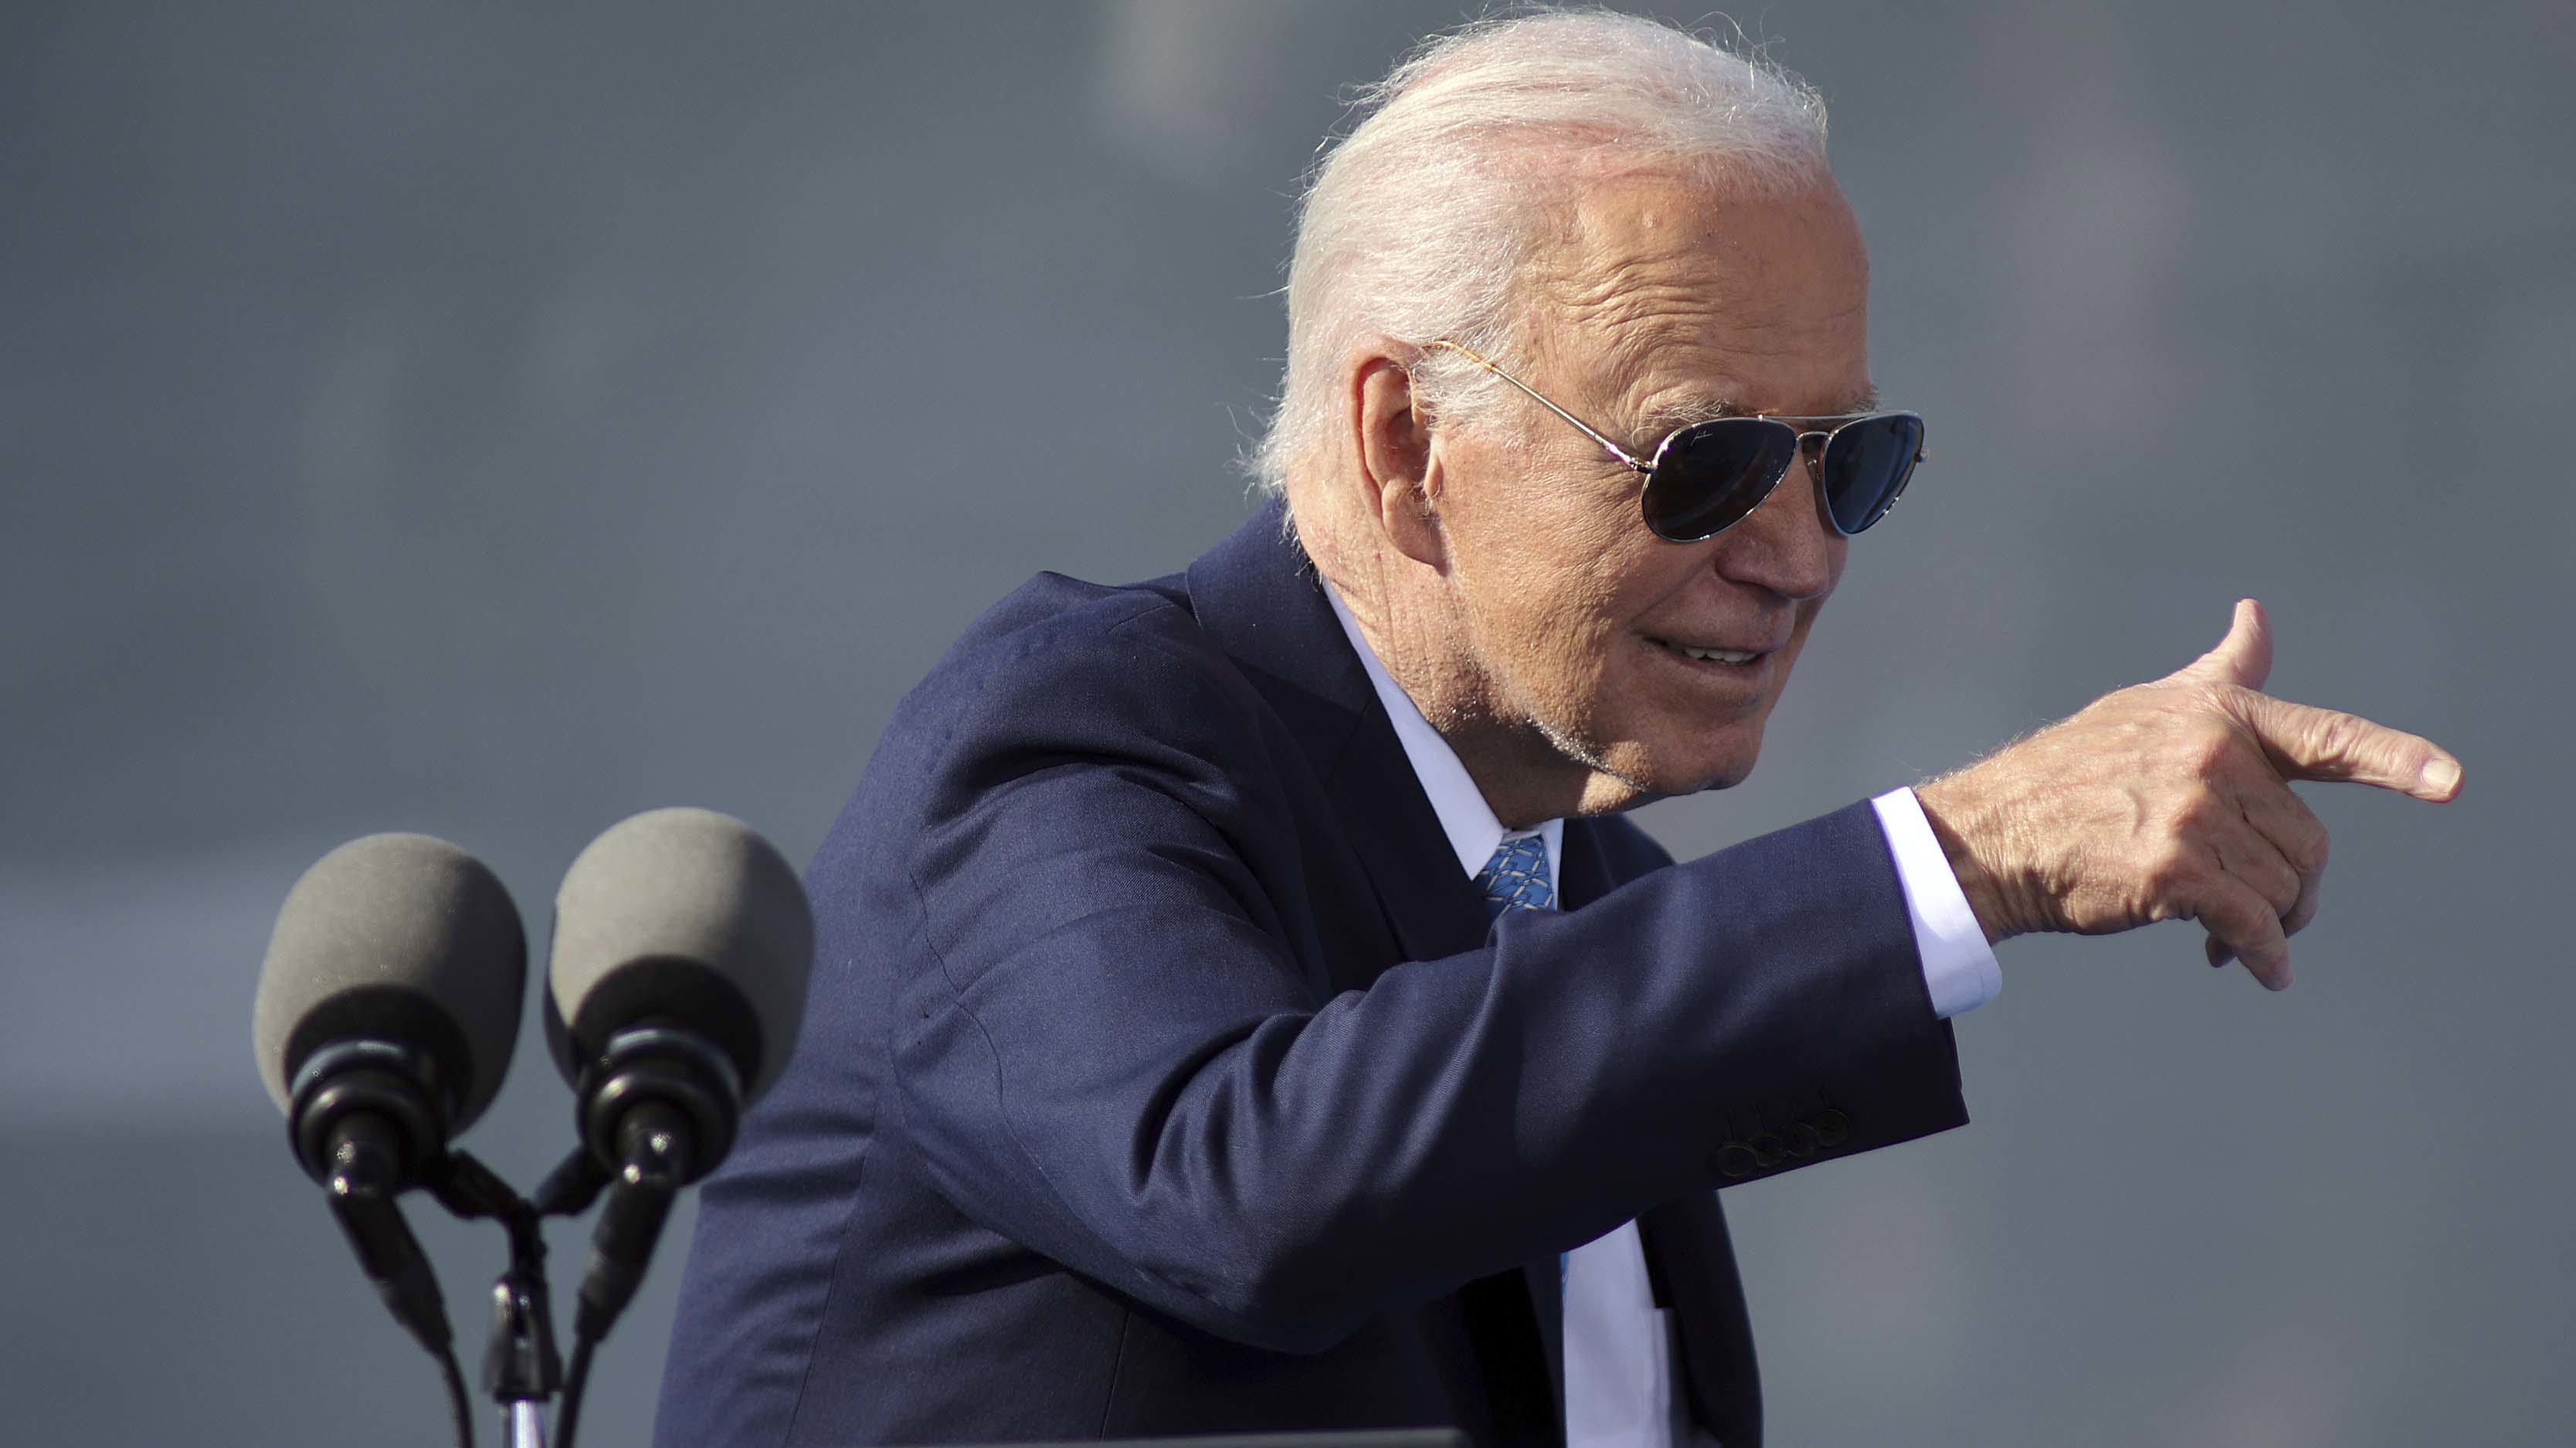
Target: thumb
2243,658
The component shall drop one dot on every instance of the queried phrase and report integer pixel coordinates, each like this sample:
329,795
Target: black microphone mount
368,1122
387,1011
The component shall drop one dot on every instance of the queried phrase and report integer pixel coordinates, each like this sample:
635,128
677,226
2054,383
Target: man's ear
1398,470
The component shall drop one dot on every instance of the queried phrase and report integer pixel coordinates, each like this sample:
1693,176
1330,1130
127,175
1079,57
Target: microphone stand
521,1369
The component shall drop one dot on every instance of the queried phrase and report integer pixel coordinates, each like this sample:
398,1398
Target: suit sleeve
1116,1057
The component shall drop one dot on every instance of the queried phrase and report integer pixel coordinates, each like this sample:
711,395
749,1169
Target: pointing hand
2171,800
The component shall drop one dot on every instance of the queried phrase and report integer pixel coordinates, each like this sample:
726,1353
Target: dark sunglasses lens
1866,464
1711,474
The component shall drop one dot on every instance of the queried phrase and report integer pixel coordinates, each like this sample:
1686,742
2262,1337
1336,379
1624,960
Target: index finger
2325,744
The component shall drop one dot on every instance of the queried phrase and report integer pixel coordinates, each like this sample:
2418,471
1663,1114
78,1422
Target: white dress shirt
1619,1367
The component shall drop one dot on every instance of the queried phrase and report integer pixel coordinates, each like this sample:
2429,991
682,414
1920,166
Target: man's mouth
1712,656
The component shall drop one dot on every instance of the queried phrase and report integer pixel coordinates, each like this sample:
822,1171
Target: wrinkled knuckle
2283,894
2311,854
2337,738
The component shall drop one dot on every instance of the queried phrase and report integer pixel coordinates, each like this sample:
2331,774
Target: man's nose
1786,545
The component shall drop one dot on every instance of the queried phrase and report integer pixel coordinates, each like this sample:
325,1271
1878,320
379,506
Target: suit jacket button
1832,1127
1802,1139
1735,1159
1767,1151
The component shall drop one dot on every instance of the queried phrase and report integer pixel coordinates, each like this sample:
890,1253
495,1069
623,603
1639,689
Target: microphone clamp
690,1077
395,1084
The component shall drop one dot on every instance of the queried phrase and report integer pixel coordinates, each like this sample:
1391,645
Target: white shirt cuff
1958,965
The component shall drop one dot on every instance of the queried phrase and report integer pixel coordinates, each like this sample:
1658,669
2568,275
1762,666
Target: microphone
387,1008
682,942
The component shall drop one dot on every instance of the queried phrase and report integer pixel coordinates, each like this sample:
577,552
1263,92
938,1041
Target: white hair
1417,224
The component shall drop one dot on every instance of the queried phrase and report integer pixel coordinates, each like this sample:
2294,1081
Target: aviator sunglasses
1706,477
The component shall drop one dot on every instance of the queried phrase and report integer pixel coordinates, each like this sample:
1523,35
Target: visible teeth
1721,656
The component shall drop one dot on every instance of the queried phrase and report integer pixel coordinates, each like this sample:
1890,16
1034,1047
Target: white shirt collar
1464,816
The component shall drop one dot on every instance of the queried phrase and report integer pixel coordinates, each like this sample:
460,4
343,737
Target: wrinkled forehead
1699,297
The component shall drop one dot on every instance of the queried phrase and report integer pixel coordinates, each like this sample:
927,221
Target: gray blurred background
496,420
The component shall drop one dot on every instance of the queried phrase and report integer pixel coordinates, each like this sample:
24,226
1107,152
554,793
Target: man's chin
1618,785
1726,778
1624,774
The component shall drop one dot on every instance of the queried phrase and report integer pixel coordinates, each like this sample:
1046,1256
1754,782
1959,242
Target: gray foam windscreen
684,915
395,937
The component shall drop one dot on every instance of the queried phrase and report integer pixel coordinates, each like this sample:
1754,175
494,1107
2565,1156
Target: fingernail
2441,776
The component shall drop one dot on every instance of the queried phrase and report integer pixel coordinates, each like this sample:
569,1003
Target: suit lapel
1435,910
1256,594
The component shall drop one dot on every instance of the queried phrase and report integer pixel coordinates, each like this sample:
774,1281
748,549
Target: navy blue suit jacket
1161,1073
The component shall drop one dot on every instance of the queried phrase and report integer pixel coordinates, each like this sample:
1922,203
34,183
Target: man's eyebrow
1867,401
1679,412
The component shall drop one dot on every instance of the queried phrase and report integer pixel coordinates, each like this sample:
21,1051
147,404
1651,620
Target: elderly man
1240,1003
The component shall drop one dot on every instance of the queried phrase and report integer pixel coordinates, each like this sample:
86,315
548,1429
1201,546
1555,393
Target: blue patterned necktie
1516,877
